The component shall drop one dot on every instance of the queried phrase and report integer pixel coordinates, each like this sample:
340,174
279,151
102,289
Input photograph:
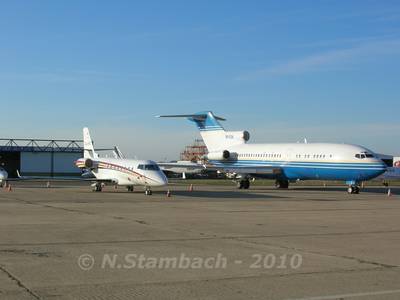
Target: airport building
40,157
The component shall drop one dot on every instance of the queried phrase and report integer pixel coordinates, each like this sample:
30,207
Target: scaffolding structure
194,152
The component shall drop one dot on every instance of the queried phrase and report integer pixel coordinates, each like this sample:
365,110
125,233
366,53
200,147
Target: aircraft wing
166,166
260,170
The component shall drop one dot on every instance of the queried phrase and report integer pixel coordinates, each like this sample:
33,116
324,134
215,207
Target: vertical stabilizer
88,148
214,135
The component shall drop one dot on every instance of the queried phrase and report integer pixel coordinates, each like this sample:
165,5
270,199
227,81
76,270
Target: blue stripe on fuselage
313,170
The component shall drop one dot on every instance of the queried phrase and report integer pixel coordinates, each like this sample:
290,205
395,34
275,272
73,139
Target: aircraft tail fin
214,135
88,148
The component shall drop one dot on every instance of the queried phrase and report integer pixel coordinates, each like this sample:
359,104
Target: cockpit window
151,167
141,167
364,155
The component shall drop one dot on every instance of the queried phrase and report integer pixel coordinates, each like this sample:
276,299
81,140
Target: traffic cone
191,188
168,193
389,193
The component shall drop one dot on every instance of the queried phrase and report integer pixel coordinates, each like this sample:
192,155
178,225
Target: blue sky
284,70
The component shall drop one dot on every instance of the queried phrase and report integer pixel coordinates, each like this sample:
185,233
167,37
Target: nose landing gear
148,191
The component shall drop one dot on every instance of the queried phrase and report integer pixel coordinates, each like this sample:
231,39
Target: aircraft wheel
246,184
130,188
239,184
354,189
282,184
148,192
98,187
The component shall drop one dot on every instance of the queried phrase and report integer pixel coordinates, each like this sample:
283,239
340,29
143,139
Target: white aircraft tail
214,135
88,148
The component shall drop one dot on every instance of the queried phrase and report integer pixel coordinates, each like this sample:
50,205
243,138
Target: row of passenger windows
314,156
277,155
260,155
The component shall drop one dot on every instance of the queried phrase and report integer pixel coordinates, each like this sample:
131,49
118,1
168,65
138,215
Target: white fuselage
125,172
299,161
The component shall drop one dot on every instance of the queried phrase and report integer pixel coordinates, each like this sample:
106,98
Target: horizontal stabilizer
199,117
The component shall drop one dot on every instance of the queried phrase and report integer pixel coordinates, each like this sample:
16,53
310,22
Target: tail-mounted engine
237,137
221,155
90,164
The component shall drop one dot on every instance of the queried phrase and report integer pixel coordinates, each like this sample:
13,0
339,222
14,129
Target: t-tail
214,135
88,148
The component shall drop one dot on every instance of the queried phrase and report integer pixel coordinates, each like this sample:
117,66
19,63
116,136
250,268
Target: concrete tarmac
67,242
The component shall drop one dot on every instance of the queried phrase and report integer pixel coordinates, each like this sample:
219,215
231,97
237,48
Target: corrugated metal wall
48,163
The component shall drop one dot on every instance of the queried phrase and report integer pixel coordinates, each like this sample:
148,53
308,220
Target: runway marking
19,282
354,295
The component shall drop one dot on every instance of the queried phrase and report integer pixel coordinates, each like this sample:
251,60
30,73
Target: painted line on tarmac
354,295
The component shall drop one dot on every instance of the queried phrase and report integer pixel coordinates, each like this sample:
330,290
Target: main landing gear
282,184
130,188
353,189
243,184
97,187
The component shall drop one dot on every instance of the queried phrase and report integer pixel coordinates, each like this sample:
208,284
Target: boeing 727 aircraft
230,152
124,172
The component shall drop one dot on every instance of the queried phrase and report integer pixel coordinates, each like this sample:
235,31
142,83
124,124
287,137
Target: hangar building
40,157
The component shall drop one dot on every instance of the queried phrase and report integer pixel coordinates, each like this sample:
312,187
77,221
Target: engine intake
90,164
223,155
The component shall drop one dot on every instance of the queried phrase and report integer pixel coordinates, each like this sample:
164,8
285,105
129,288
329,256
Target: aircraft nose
382,167
162,179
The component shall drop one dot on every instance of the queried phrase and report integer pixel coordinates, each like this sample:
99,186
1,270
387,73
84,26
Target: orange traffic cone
191,188
168,193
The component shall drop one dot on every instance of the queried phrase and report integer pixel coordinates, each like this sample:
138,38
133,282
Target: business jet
119,171
289,162
3,176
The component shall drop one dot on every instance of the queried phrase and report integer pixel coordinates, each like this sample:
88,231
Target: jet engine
223,155
90,164
239,136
